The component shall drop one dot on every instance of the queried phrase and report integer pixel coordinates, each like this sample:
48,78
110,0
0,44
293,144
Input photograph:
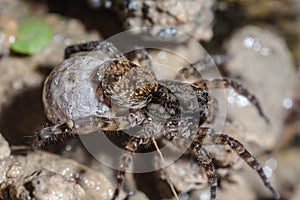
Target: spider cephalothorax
87,93
128,84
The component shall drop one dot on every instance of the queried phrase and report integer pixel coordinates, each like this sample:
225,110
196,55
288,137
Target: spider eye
128,84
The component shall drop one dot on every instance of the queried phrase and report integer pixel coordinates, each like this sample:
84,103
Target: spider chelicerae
86,94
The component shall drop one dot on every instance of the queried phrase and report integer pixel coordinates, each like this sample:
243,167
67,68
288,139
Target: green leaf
32,36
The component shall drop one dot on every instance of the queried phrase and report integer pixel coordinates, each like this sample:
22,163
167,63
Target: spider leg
195,68
206,135
202,158
82,126
126,160
106,47
238,88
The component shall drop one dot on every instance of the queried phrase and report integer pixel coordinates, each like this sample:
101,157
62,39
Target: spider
86,94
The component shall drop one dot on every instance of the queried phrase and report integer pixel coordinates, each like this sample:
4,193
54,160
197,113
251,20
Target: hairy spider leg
208,136
106,47
202,158
238,88
194,69
126,160
80,126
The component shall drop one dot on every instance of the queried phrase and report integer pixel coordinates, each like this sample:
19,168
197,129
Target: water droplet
234,98
230,99
15,170
256,45
107,4
287,103
68,147
167,33
161,55
111,192
249,42
242,101
133,5
268,171
265,51
11,39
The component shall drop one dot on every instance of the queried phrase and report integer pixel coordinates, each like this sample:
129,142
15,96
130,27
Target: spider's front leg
238,88
207,136
81,126
194,69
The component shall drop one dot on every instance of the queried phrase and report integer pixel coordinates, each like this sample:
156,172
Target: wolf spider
81,94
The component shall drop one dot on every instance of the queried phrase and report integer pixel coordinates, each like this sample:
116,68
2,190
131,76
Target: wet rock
185,175
288,173
27,174
17,75
290,136
282,16
193,18
44,184
263,64
238,189
4,148
46,175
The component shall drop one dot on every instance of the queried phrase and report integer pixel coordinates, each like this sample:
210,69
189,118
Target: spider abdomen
69,91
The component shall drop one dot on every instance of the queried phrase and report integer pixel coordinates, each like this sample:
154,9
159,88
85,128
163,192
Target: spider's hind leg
222,139
203,159
247,157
